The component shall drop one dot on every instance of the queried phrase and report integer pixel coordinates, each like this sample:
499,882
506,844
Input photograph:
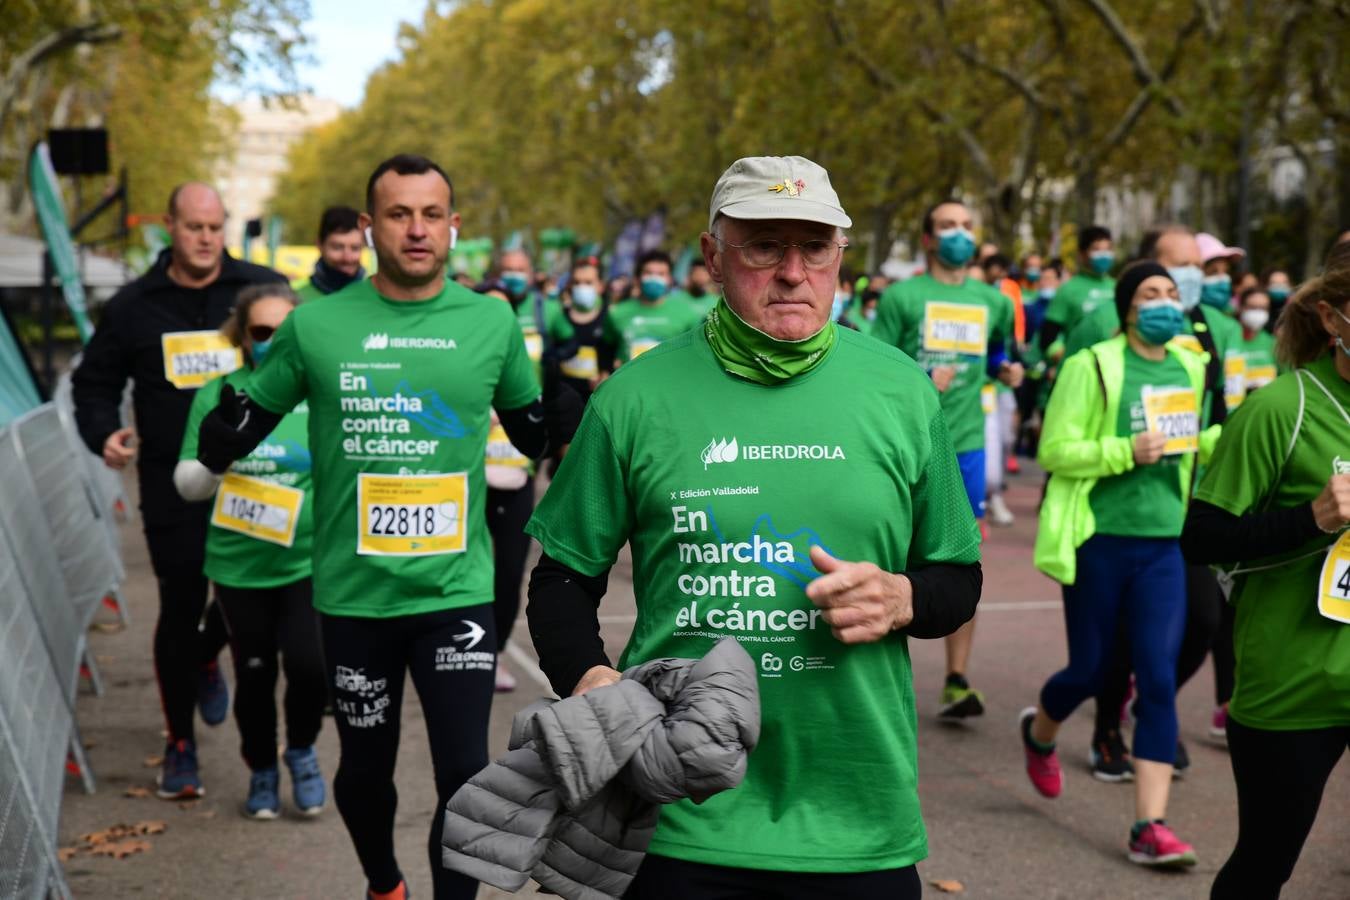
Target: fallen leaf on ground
66,854
207,814
90,745
188,804
948,886
153,762
108,627
138,792
152,827
121,849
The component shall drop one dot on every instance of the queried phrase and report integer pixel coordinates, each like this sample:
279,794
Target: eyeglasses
261,332
767,253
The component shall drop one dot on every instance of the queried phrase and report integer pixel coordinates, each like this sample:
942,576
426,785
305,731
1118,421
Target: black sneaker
1181,762
1109,759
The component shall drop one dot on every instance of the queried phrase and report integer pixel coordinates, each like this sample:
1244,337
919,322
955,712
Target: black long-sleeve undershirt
563,613
1213,535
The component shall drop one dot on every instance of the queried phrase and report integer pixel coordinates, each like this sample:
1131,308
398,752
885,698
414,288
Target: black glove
563,407
231,430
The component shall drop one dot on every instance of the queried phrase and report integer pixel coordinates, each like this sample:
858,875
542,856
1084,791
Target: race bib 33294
192,358
411,515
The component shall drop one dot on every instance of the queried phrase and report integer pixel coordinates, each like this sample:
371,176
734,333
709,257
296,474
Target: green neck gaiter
751,354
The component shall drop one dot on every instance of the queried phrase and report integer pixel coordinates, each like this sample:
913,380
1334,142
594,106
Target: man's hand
861,602
1148,447
120,448
1331,509
1011,374
596,677
942,377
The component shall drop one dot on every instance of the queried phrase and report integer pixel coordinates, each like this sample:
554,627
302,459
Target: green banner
18,391
51,214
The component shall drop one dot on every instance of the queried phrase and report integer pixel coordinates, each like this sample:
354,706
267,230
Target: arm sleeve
525,428
1213,536
203,402
563,616
279,383
945,597
1049,331
98,383
1066,446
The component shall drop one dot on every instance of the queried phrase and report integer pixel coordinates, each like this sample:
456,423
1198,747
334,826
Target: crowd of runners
339,478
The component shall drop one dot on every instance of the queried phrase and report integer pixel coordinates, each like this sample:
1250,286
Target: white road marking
526,665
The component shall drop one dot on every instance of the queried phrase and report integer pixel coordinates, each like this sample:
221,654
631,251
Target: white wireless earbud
370,242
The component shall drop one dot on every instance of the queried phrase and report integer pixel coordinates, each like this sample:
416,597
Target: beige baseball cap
777,187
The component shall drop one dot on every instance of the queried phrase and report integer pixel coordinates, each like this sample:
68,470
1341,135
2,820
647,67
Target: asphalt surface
987,828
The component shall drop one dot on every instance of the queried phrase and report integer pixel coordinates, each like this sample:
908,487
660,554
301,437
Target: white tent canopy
21,265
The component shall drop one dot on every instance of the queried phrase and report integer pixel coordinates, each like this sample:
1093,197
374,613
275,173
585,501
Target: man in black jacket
161,331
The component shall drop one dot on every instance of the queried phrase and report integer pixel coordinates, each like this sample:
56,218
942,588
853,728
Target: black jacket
126,345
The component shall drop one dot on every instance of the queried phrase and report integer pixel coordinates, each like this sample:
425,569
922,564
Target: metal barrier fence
58,559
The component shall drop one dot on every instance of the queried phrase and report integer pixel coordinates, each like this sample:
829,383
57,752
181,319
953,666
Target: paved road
987,828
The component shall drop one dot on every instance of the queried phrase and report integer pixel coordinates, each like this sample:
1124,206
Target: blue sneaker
306,780
178,779
263,802
213,694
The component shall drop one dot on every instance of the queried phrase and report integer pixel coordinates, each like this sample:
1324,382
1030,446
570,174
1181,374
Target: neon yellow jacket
1079,445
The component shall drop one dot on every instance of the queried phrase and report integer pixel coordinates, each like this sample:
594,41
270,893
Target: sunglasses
261,332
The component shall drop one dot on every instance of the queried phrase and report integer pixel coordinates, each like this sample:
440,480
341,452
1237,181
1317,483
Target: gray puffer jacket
574,802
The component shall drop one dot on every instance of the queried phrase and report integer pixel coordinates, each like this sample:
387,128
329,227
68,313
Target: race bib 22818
412,515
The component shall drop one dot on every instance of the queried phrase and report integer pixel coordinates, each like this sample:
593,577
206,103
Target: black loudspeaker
253,228
79,151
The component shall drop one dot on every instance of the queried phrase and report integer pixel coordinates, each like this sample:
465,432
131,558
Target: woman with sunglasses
258,556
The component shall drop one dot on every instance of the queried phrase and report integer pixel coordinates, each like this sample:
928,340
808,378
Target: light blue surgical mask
838,306
1159,321
1032,275
585,296
1278,293
1102,261
955,247
516,283
870,314
259,350
1046,294
1189,281
1217,291
654,287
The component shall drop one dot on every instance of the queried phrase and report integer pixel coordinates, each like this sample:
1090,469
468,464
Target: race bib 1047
955,328
257,508
192,358
1333,591
411,515
1175,413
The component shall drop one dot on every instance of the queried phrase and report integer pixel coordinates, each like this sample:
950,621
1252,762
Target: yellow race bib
1175,413
1260,376
501,452
1234,381
639,347
955,328
989,399
534,346
411,515
586,364
1333,592
192,358
1187,342
257,508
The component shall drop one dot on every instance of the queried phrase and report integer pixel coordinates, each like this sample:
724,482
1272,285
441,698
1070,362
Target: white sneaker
999,514
506,682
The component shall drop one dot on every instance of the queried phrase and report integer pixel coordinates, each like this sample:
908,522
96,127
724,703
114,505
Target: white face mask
1255,319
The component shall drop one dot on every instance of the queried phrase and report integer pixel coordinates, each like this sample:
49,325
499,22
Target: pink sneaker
1042,766
1218,726
506,682
1156,845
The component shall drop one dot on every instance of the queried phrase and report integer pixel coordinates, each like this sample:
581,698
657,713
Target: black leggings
450,655
263,622
1280,776
507,513
1204,610
184,642
1224,660
663,878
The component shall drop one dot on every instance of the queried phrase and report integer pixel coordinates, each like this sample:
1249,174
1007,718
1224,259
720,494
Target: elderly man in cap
789,483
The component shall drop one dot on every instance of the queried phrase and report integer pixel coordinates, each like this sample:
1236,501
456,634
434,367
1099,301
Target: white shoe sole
262,815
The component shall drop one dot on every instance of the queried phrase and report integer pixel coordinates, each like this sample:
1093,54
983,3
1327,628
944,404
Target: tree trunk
1085,197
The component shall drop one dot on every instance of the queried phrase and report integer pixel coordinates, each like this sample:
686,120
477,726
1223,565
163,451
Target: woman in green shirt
258,555
1273,509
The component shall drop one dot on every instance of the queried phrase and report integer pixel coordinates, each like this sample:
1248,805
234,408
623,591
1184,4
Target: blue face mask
654,287
259,351
955,247
516,283
1102,261
1217,291
1189,281
838,306
585,296
1278,293
1032,275
1158,323
870,314
1047,294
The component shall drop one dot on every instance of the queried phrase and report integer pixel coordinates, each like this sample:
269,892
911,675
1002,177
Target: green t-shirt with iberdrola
1146,501
1293,665
948,325
635,326
716,482
260,536
1078,297
399,396
1258,352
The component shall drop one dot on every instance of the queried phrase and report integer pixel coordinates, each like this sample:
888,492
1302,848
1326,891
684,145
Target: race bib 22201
1175,413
